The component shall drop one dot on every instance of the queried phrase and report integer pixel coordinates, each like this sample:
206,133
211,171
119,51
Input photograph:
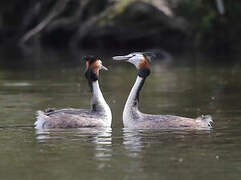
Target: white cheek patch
136,59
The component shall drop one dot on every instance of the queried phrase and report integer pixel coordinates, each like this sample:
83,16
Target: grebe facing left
98,116
133,118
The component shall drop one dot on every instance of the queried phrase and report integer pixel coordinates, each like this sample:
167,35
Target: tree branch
57,9
72,21
86,26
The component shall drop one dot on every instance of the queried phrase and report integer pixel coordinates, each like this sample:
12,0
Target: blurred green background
212,26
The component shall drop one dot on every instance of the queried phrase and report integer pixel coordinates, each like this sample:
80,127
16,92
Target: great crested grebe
99,114
133,118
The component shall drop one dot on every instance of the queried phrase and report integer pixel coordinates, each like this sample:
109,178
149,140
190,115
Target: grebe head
93,66
140,60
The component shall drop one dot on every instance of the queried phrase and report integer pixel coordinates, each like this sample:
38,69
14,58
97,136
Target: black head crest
150,55
90,58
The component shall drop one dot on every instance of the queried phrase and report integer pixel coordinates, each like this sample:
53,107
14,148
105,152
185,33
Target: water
184,87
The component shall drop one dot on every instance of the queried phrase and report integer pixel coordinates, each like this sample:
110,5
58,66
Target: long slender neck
131,111
98,102
133,97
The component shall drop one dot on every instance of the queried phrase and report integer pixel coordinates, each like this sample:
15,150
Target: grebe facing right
98,116
133,118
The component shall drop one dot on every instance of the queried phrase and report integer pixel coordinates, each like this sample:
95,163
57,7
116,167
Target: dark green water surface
183,86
